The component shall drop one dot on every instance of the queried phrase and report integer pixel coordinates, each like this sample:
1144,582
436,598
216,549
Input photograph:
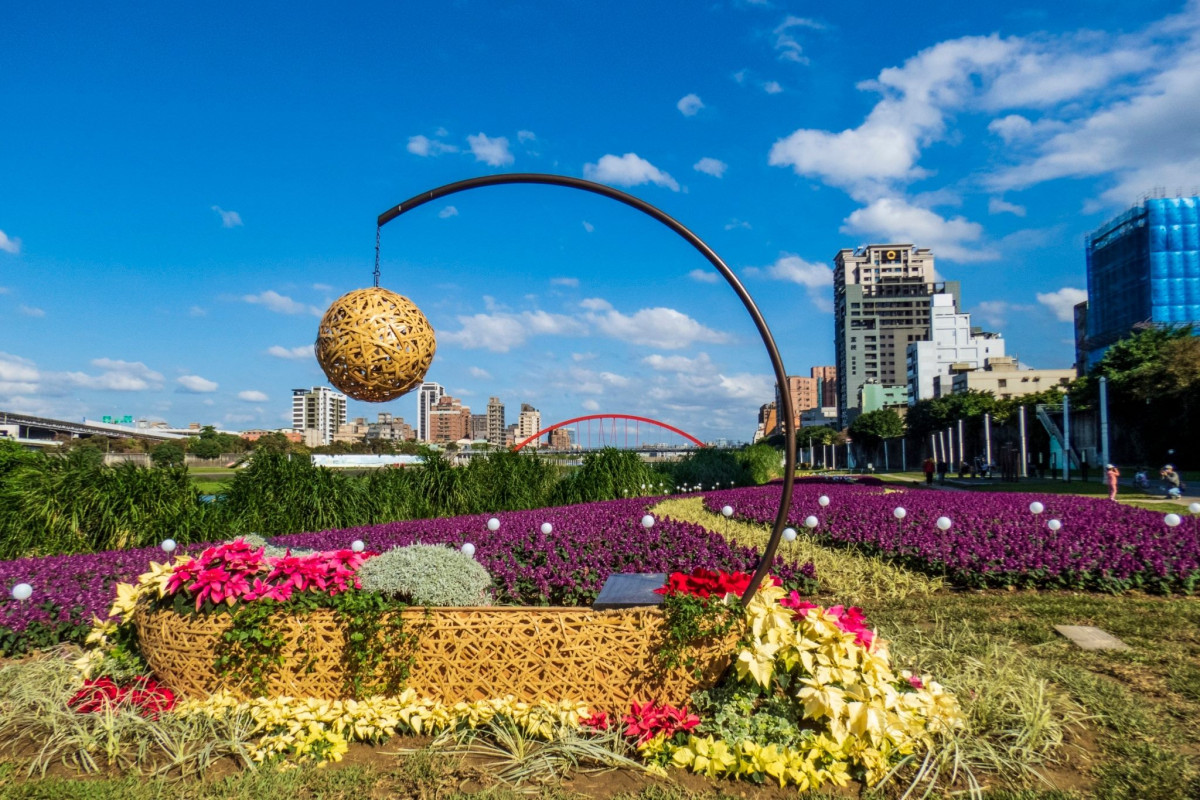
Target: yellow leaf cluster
320,730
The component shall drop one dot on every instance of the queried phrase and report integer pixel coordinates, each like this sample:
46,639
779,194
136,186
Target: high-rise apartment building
881,304
495,422
953,346
449,420
1143,266
318,409
805,394
529,422
479,427
560,439
427,397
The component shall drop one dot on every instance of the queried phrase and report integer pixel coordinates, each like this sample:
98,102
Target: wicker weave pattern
605,659
374,344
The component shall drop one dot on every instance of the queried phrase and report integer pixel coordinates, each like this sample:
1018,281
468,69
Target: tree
167,454
869,430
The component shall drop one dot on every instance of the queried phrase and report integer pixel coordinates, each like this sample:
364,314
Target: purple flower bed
994,539
566,567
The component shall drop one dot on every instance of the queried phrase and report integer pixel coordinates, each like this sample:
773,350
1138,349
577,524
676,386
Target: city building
1005,378
479,427
427,397
881,305
529,422
319,409
875,397
1142,266
953,346
804,393
449,420
827,386
816,417
767,421
560,439
351,432
495,421
390,428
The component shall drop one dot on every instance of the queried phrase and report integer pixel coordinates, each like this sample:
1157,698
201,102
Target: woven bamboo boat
604,658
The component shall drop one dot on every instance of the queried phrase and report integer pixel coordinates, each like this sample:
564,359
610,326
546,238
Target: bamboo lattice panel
603,658
374,344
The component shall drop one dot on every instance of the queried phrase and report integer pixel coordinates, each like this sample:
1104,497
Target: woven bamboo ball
375,345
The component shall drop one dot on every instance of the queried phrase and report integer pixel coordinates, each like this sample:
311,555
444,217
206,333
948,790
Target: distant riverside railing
143,459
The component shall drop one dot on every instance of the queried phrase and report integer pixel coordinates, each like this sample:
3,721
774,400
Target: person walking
943,467
929,468
1111,474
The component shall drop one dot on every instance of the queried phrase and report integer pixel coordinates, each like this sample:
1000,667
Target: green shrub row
73,503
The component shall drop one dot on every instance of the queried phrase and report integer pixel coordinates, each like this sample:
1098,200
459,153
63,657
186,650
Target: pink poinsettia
648,720
851,620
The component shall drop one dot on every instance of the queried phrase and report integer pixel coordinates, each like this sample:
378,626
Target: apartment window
1002,383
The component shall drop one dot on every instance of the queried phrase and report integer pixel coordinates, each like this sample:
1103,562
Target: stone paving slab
1089,637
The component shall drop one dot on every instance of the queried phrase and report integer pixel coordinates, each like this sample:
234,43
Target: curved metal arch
566,422
789,421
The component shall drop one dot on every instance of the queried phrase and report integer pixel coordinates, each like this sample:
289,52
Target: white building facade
319,409
952,347
427,397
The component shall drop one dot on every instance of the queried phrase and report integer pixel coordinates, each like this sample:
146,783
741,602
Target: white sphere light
547,527
811,522
22,592
358,546
1054,525
900,513
647,521
944,523
789,534
493,524
1172,520
168,546
1194,508
468,549
727,511
1036,508
823,501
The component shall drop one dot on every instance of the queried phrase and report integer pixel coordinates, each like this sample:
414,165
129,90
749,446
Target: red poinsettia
710,582
650,719
144,694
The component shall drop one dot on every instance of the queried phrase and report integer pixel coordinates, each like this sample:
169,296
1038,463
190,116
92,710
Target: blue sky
184,190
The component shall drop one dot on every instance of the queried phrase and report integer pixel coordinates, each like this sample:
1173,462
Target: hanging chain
377,229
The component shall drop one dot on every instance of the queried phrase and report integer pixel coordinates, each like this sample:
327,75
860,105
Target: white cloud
9,245
590,405
31,311
424,146
447,212
995,313
896,220
654,327
704,275
711,166
689,105
295,353
628,170
572,282
253,396
196,311
785,43
279,303
196,384
493,152
117,376
817,279
578,357
479,372
1012,128
997,205
18,375
229,219
737,223
501,332
1063,302
524,137
589,227
772,87
595,304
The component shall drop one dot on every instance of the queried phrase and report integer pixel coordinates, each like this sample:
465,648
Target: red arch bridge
616,430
